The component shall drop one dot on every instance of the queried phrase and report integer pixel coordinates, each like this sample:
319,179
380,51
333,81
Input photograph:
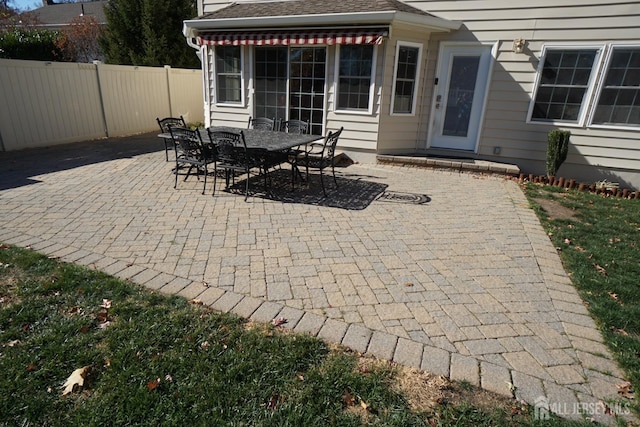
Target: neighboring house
481,79
57,16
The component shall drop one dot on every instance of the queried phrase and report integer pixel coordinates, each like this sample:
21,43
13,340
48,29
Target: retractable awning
285,38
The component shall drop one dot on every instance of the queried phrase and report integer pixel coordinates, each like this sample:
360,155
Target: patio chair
295,126
261,123
233,156
190,151
164,128
320,156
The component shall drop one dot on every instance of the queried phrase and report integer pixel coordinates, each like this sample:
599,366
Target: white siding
512,83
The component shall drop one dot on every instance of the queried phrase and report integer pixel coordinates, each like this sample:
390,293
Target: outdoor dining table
271,141
265,139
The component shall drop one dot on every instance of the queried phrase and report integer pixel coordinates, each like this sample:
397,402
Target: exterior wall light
518,45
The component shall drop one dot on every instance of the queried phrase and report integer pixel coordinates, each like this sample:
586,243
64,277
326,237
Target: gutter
191,27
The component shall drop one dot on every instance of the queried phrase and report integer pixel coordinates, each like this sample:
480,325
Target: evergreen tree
148,33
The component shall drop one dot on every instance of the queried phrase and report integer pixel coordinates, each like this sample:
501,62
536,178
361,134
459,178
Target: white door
463,74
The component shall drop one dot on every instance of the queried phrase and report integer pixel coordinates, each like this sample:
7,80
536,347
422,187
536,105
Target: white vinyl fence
49,103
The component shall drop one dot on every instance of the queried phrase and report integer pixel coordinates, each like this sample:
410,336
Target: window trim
600,85
372,84
587,104
416,80
242,102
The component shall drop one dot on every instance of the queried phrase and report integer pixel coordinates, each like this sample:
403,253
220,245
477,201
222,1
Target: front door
463,74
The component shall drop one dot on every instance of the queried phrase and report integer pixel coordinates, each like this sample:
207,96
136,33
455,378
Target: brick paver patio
445,271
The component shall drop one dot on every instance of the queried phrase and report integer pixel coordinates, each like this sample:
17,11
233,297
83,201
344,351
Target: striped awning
286,38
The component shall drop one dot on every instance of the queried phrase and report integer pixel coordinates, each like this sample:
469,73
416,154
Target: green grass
164,361
600,248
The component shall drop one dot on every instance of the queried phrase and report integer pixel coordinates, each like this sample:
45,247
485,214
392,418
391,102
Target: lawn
79,347
598,239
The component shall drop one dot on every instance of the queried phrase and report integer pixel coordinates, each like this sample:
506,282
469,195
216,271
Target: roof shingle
309,7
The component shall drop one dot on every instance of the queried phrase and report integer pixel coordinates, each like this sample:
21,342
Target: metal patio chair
190,151
320,156
165,124
234,157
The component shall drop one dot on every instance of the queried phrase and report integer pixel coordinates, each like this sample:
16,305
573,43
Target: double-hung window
618,102
355,67
592,86
405,77
564,84
228,70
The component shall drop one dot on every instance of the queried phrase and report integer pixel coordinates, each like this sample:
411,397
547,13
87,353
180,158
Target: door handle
438,99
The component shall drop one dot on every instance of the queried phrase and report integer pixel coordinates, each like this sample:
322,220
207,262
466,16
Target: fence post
168,74
102,109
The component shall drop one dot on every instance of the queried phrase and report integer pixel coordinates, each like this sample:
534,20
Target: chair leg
204,187
175,173
215,178
246,190
333,170
322,182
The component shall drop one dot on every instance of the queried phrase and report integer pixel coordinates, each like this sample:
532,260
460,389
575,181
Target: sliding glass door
289,84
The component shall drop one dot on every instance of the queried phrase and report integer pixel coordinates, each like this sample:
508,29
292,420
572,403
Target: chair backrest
231,147
262,123
168,122
296,126
330,142
188,143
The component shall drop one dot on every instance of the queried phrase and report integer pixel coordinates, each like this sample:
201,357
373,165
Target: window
405,78
355,66
563,84
228,69
619,98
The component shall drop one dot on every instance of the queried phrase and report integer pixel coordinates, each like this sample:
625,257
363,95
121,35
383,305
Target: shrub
557,149
33,44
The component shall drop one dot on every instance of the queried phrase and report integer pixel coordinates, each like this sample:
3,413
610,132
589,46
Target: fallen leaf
168,378
104,325
152,385
600,269
567,241
278,321
300,377
348,399
408,284
31,368
625,390
605,407
613,296
106,304
195,301
205,284
273,401
76,378
579,248
364,405
12,343
205,345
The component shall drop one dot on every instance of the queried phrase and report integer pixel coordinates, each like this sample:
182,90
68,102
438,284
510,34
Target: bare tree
79,40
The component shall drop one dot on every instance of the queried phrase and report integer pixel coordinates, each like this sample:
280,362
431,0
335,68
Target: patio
445,271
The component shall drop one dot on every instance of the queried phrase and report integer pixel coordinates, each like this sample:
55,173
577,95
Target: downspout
205,90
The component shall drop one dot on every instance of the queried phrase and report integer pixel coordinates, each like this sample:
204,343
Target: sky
23,5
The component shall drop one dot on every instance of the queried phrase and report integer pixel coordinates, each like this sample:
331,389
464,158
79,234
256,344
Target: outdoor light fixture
518,45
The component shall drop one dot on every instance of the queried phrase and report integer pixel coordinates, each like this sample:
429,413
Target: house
475,79
56,16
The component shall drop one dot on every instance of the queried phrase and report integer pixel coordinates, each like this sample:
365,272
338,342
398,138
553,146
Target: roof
283,14
309,7
60,14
